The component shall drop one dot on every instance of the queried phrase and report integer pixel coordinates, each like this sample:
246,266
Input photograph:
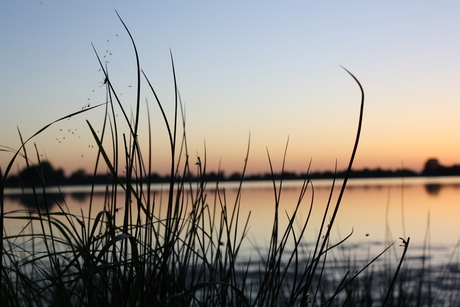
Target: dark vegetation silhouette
45,174
56,177
434,168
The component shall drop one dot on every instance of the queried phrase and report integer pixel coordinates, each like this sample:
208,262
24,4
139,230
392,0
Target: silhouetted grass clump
179,250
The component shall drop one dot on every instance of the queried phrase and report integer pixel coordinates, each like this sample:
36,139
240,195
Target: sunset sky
268,69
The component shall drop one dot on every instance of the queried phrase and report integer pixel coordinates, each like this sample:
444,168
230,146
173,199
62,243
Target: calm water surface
377,211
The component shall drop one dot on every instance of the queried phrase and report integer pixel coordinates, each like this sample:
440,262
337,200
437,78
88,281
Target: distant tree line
434,168
46,174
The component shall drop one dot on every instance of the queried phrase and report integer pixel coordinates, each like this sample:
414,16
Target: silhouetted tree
235,177
44,173
434,168
79,177
431,166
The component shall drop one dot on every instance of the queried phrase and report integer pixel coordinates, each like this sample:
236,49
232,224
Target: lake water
377,211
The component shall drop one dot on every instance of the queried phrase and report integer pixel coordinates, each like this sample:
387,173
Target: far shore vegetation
57,177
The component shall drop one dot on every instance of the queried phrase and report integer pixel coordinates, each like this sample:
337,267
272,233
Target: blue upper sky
268,68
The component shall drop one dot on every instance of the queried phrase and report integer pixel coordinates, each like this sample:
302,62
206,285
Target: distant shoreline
318,183
36,175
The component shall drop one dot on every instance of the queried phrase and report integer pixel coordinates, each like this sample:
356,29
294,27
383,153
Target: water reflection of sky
376,210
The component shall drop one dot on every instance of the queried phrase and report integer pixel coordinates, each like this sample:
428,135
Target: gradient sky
270,69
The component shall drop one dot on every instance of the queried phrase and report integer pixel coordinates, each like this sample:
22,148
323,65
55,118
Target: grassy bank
183,249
